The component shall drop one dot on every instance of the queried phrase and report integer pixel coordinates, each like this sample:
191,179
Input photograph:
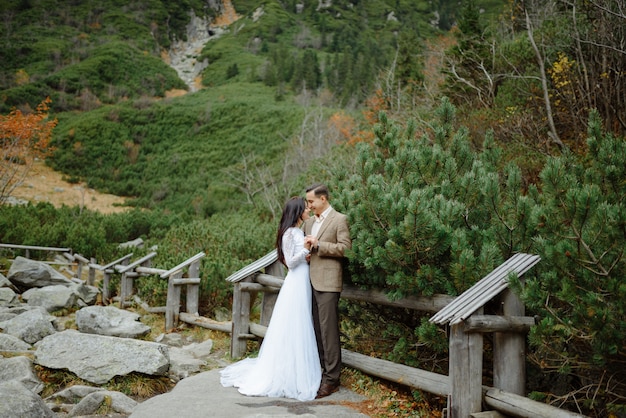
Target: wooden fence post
91,277
269,299
241,320
193,290
465,371
172,309
509,350
124,286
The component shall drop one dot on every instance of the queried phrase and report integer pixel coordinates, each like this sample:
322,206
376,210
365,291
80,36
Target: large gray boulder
183,364
25,274
51,298
4,282
88,294
97,359
8,297
11,343
79,400
117,401
30,326
21,369
109,320
19,402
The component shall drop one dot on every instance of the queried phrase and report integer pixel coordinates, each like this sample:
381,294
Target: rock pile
104,345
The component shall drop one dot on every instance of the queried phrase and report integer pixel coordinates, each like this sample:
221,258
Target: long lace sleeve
293,247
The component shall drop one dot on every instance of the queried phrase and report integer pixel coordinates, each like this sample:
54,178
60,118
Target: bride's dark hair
292,213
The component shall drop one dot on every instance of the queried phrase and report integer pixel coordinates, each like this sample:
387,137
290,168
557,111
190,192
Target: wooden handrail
182,265
35,247
112,263
124,269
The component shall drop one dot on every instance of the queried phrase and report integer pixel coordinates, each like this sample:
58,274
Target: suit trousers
326,324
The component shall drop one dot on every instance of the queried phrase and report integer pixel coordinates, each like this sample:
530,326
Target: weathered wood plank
272,280
206,322
275,277
484,290
520,406
122,260
182,265
35,247
241,320
253,287
420,379
141,261
487,414
149,270
173,302
509,350
258,329
252,268
193,290
148,308
465,372
424,304
496,323
186,281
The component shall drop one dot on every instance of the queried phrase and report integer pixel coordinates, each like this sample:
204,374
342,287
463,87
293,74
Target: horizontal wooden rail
206,322
185,280
124,269
183,265
438,384
149,270
269,280
253,287
520,406
111,264
35,247
421,303
498,323
80,258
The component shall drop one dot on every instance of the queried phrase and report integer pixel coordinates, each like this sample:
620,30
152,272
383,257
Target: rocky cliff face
183,55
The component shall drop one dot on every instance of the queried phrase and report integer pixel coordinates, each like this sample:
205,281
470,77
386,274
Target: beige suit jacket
327,261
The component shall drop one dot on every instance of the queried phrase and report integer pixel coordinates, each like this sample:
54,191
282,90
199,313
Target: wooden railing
28,248
250,281
130,271
175,280
266,276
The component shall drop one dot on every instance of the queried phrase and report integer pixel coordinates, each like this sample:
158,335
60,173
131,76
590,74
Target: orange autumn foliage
347,127
24,137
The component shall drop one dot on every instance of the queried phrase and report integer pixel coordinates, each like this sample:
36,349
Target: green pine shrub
230,242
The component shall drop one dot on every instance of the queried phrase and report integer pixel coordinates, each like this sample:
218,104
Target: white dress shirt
319,220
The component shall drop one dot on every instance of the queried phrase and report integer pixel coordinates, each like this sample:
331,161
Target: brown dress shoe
326,389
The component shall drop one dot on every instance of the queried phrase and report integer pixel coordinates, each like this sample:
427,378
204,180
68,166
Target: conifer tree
431,214
579,291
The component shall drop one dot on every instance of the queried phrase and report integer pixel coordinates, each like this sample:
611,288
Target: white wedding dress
288,363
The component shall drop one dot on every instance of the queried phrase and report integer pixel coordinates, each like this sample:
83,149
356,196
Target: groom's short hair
319,189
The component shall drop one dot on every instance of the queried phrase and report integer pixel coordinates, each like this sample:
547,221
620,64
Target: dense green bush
88,233
230,242
430,215
106,48
174,153
579,291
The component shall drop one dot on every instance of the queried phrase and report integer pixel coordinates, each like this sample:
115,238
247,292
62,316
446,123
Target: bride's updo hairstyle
292,213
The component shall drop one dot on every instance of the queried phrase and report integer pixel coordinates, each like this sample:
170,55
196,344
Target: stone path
202,395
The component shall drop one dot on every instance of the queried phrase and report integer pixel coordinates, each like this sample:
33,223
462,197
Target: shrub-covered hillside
101,63
452,137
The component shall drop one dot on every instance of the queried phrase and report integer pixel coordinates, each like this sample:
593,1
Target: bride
288,363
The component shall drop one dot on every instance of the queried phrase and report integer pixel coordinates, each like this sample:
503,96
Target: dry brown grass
42,184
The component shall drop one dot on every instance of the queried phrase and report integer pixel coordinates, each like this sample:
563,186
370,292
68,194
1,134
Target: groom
329,236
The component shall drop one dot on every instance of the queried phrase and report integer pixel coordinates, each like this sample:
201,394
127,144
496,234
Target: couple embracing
300,356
